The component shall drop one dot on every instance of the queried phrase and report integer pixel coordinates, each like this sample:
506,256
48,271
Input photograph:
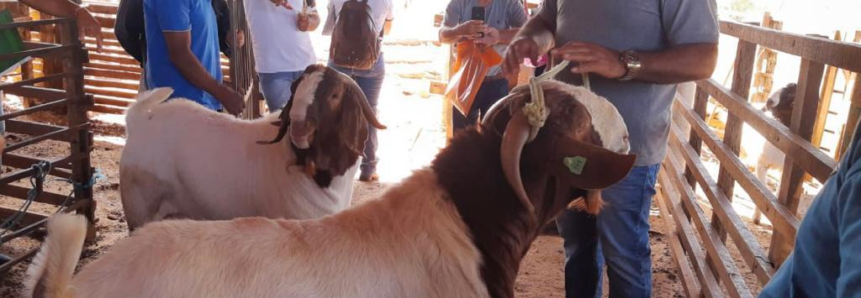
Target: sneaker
368,177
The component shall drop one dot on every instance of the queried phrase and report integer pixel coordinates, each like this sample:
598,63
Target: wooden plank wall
702,257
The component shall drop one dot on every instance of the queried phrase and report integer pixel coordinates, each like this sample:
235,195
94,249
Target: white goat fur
758,151
411,243
184,160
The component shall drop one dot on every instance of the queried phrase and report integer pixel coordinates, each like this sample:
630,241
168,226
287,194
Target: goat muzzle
300,134
514,138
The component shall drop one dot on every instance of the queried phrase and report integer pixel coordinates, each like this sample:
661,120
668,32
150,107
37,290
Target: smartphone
478,15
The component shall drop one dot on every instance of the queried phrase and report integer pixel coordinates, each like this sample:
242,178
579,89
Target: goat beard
323,177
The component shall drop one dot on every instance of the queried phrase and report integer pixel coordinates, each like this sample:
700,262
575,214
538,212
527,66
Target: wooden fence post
79,103
803,117
825,102
744,62
701,102
765,64
854,109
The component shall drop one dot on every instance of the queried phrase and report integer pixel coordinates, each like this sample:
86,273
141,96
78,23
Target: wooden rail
62,90
702,257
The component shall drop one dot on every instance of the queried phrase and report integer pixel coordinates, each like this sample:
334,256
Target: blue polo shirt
826,262
195,16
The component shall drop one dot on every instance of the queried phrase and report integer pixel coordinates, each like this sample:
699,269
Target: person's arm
387,27
849,281
87,24
533,40
179,52
675,65
329,24
390,16
455,27
506,36
307,22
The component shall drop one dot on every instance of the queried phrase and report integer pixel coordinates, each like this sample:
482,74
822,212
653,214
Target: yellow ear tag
575,164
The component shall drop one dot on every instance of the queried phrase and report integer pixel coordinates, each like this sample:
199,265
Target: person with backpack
131,32
282,44
488,23
182,53
357,28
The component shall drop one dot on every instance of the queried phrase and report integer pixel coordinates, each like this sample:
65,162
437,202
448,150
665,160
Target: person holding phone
490,23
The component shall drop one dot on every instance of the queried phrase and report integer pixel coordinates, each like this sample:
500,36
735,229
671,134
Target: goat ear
586,166
352,129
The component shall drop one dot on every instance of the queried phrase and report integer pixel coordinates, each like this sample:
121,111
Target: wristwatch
632,62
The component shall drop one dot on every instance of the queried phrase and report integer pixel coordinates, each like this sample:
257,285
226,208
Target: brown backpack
355,42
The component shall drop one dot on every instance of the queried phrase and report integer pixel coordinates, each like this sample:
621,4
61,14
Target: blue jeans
276,88
488,94
619,235
371,82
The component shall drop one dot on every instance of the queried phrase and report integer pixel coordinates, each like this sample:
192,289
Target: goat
780,104
184,161
457,228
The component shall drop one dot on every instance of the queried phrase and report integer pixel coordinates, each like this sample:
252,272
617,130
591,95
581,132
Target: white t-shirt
279,46
381,10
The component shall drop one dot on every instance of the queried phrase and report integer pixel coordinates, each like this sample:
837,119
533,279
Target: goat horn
282,129
368,112
513,140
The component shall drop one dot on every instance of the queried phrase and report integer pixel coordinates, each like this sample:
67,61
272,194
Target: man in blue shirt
827,258
182,53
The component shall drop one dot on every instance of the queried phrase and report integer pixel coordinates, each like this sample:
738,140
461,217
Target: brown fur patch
470,170
341,128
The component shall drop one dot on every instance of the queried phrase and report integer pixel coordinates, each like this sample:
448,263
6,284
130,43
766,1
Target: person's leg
623,227
496,90
488,94
371,86
276,88
582,266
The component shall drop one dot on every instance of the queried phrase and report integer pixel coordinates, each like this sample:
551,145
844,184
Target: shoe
368,177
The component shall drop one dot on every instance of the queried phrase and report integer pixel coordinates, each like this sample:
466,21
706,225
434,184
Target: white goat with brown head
184,161
454,229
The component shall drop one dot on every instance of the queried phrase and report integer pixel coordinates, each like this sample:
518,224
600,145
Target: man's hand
88,25
521,48
240,39
470,28
491,37
303,22
282,3
592,58
232,101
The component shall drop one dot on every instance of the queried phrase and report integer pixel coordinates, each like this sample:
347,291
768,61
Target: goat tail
145,102
51,272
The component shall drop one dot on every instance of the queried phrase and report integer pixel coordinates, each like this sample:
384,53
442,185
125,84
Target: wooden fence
74,167
699,244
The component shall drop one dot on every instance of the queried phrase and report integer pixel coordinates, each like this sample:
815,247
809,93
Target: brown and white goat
454,229
184,161
780,104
